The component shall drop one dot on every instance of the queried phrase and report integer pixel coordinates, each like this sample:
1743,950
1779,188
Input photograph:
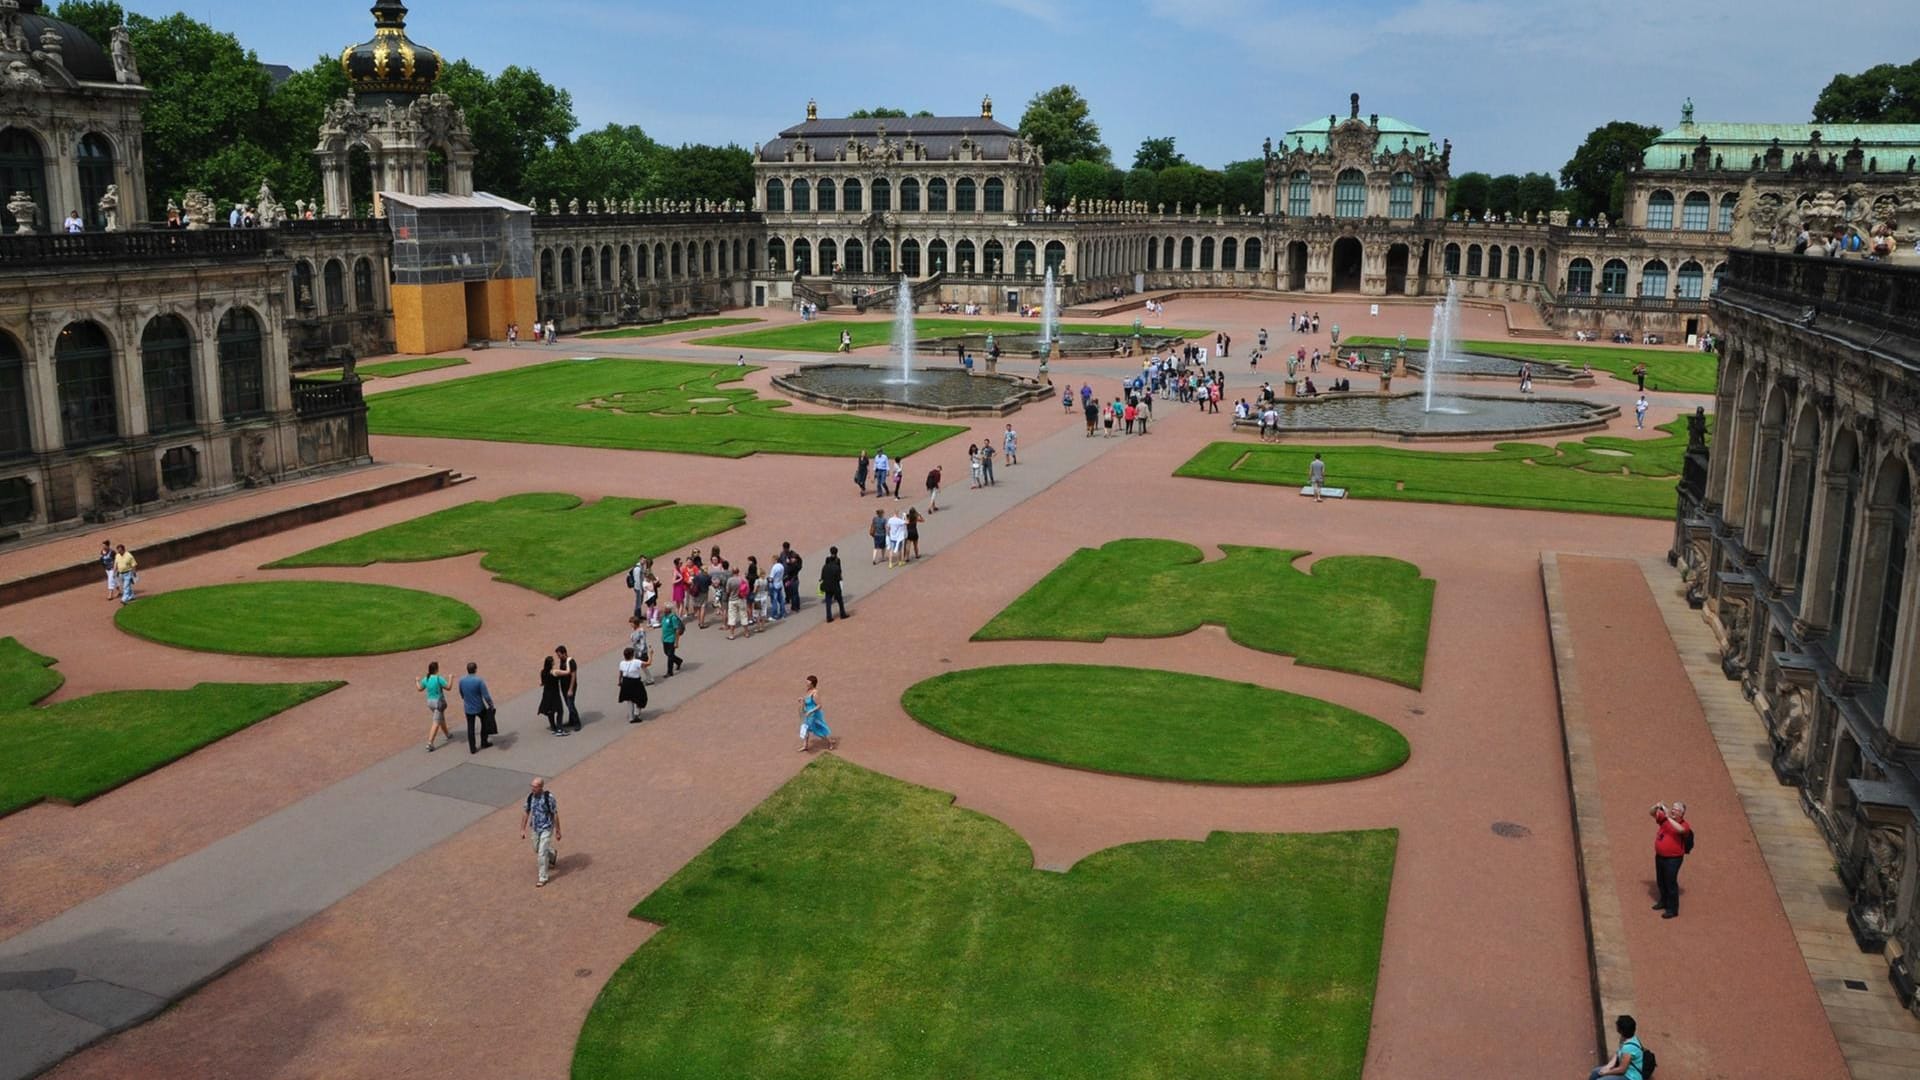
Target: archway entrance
1297,266
1346,264
1397,270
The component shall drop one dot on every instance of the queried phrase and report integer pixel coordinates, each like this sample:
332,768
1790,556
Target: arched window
1055,256
963,255
909,253
803,257
1400,202
1653,279
659,261
674,263
606,268
753,254
823,195
83,370
1719,271
1252,260
16,433
303,285
94,156
23,167
1166,253
936,252
1206,253
882,190
776,199
936,196
1660,210
1727,203
166,370
1024,254
909,195
363,284
1186,253
1473,260
1886,633
242,374
882,256
855,257
1695,212
436,171
1513,263
1427,193
850,195
1300,195
566,269
995,194
586,267
993,259
335,277
1229,252
1691,280
829,257
706,257
626,262
1453,259
1579,277
1613,278
1493,261
1350,194
777,255
963,195
1528,276
801,195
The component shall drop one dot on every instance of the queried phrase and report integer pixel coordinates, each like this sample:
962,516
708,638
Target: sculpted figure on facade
23,210
267,209
1880,884
125,70
1792,726
109,207
198,209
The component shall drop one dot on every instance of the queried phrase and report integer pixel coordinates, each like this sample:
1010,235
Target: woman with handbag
550,704
633,684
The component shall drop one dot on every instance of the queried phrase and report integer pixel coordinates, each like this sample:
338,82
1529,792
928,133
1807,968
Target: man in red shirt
1670,843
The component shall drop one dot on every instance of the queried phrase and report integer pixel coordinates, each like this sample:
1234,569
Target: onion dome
390,67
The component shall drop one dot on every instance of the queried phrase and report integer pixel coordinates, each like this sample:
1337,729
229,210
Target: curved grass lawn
1359,613
74,750
859,928
545,541
1667,369
298,618
389,369
662,329
1158,724
823,335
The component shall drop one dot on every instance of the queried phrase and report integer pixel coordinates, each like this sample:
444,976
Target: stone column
206,375
276,364
1853,628
1765,486
62,171
1741,454
42,387
1792,505
130,368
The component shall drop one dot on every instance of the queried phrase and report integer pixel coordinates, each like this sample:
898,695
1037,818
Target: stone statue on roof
1686,111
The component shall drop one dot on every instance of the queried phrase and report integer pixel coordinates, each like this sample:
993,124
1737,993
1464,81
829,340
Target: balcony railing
1874,293
21,250
314,398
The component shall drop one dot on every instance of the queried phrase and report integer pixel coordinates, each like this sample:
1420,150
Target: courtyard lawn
298,618
1667,369
823,335
637,405
74,750
860,928
1363,614
547,542
662,329
1159,724
1602,474
389,369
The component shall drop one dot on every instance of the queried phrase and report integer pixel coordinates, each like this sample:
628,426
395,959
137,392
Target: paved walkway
1880,1039
1636,730
120,958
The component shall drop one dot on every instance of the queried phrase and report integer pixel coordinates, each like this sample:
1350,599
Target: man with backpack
1633,1061
1672,841
541,817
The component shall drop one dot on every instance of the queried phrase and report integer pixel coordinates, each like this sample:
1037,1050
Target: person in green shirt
670,627
435,685
1631,1061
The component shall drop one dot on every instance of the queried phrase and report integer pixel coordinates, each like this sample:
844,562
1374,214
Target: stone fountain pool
938,391
1453,417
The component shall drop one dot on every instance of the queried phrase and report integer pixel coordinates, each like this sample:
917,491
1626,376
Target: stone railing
1874,293
137,245
331,226
313,398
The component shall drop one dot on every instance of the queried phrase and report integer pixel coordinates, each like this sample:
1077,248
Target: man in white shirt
896,540
1316,476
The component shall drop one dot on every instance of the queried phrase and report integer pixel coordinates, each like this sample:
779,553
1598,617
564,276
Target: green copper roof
1312,135
1887,146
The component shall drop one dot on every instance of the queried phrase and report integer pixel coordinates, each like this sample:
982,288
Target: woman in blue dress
813,723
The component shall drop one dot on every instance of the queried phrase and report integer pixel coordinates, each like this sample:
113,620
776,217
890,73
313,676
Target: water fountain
1439,343
1050,311
903,327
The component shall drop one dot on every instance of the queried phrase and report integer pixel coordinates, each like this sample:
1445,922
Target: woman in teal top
813,722
436,686
1631,1061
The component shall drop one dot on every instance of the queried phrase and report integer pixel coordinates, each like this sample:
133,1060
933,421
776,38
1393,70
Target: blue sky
1514,83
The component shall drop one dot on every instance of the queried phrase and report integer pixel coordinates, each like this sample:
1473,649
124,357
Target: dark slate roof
279,73
83,56
939,134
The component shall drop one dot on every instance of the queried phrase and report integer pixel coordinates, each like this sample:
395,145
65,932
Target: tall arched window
882,190
963,256
83,370
1024,254
1660,210
1054,256
336,284
1473,260
1229,252
606,270
1400,201
1886,633
854,256
303,284
776,196
823,195
777,255
850,195
1719,272
1695,212
1653,279
829,257
94,156
1690,282
674,264
1493,261
16,433
963,195
802,196
1206,253
659,261
586,267
1727,203
936,252
1528,276
1350,194
1299,195
1186,253
23,167
1452,259
1613,278
166,370
1579,277
909,195
566,270
363,284
995,194
706,257
882,256
936,196
993,258
1427,194
243,375
803,257
1252,258
910,257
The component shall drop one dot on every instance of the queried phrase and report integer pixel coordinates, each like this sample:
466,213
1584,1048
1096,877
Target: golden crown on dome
390,66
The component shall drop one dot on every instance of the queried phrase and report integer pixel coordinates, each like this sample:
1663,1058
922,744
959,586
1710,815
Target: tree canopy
883,113
1594,178
1060,122
1157,154
1882,94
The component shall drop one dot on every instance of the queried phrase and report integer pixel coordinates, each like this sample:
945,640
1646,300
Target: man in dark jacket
792,559
830,584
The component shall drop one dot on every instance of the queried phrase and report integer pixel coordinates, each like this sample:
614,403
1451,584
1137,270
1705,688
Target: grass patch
1677,372
860,928
547,542
1601,474
298,618
1159,724
1363,614
824,335
75,750
390,369
637,405
662,329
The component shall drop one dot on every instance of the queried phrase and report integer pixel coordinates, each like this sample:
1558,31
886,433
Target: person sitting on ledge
1310,391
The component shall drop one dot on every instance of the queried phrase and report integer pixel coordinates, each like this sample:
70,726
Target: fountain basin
1457,416
938,391
1034,344
1482,366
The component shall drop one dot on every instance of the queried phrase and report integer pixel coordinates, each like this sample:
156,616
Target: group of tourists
123,571
1301,322
544,332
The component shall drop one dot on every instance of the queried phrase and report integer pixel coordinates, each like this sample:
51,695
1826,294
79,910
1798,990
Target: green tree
207,121
1142,185
1060,123
295,112
1537,193
1882,94
1471,191
1053,184
616,162
699,171
1093,180
1157,154
96,17
1191,187
1503,193
515,117
1589,176
1244,183
882,113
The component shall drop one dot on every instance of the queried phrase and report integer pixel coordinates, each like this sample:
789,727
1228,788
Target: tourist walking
435,686
552,705
128,570
670,627
913,532
877,532
477,700
1631,1061
106,563
1672,840
637,581
1010,442
880,467
1526,377
739,605
777,589
637,637
1640,413
986,463
896,541
813,721
933,489
513,335
633,683
899,476
542,819
1066,401
1640,376
793,561
569,674
1317,476
830,579
700,590
860,473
